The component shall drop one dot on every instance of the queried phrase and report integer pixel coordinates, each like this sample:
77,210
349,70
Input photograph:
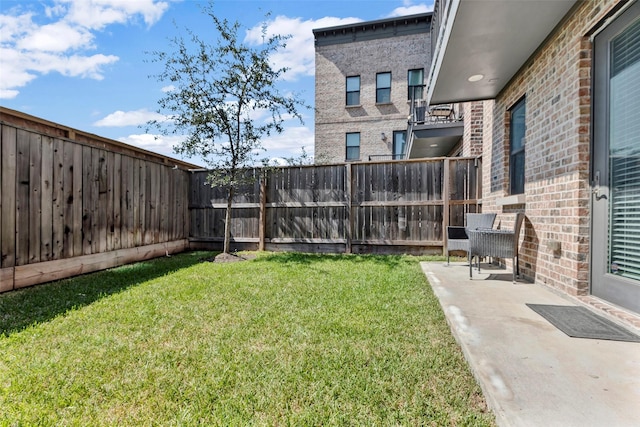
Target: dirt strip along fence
69,207
390,207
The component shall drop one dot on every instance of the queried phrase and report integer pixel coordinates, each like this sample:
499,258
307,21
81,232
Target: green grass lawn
284,339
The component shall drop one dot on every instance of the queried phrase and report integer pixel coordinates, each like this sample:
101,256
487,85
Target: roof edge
367,25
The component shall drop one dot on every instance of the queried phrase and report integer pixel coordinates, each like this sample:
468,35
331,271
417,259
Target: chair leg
470,266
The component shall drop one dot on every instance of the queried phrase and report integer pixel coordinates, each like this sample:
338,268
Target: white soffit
488,41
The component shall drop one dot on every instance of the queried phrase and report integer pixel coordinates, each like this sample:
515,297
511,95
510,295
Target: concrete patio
531,373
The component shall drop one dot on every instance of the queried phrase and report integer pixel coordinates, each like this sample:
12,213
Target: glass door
615,266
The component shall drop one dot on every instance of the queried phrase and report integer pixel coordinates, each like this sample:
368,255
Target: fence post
262,221
349,225
446,195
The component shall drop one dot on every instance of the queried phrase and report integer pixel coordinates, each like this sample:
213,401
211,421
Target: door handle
596,187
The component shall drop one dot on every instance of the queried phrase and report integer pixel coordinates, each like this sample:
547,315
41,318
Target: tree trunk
227,222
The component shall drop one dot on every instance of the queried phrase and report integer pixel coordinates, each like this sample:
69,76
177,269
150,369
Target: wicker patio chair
496,243
458,237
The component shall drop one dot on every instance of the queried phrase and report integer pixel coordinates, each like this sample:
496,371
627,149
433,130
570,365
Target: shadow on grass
390,261
22,308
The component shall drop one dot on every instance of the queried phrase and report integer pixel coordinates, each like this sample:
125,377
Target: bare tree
225,100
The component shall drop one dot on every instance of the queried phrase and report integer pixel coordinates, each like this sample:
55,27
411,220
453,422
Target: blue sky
81,63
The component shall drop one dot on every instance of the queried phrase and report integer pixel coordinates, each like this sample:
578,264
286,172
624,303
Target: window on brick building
353,146
399,138
517,130
383,88
415,83
353,90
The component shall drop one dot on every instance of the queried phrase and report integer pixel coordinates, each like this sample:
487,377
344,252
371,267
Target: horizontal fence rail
401,206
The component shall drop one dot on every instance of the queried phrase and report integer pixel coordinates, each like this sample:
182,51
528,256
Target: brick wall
556,82
473,113
365,58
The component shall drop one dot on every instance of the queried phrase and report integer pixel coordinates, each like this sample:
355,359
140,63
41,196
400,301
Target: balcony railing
385,157
424,114
440,8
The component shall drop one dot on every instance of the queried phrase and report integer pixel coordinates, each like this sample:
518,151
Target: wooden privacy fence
401,206
69,207
73,203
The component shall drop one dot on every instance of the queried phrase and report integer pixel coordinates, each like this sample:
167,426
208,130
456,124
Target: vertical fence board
348,194
69,187
117,201
148,224
147,211
148,204
35,202
46,206
138,202
183,203
68,192
78,192
168,212
86,200
129,185
8,171
157,195
110,160
166,181
102,185
95,200
2,197
58,199
22,197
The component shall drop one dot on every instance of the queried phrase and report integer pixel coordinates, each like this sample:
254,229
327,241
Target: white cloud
8,93
299,54
411,9
278,161
291,140
169,88
128,118
14,70
64,43
12,27
56,37
73,65
97,14
156,143
285,145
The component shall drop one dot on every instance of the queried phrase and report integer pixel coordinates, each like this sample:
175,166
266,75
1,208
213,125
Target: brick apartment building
560,132
370,79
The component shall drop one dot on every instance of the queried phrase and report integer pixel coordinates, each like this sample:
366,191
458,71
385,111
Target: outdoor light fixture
476,78
384,137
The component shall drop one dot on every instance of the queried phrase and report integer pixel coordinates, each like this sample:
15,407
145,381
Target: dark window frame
395,153
348,155
412,89
350,94
383,94
517,150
